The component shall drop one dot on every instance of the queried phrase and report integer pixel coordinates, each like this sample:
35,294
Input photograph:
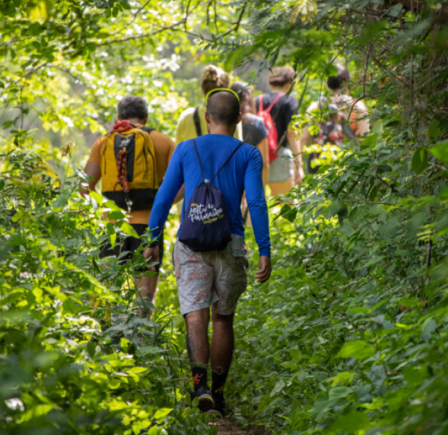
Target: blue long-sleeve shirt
242,173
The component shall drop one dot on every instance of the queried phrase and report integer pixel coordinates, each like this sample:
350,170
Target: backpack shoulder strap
227,161
260,105
280,95
147,129
199,161
197,121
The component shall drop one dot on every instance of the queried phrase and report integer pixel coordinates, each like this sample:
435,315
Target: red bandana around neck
123,125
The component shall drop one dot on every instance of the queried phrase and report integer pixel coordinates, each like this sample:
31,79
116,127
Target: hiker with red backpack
277,109
131,160
210,255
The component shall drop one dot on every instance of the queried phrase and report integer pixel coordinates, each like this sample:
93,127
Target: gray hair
132,107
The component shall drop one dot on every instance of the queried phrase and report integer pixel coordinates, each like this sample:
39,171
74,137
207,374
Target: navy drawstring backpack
206,223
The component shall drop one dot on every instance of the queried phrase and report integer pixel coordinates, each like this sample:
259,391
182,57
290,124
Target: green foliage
76,358
349,334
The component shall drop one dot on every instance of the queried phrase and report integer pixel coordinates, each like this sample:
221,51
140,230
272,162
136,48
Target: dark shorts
129,244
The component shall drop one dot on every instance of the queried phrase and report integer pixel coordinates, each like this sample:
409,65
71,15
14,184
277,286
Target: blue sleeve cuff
265,253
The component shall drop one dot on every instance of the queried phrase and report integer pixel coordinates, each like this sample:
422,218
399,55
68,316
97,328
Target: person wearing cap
216,279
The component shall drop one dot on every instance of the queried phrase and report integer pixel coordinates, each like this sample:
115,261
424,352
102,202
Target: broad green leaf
358,310
162,413
295,354
320,375
264,402
36,412
339,392
357,349
97,197
379,304
128,229
420,160
440,151
278,388
343,378
433,130
351,423
377,128
370,140
116,215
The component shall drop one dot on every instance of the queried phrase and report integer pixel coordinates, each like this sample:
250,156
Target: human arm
305,138
263,147
264,269
166,194
296,149
291,108
93,167
256,201
93,170
180,195
152,253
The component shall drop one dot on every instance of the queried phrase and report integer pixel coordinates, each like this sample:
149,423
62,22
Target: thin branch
354,104
339,52
237,23
145,35
26,76
188,32
186,15
386,69
141,8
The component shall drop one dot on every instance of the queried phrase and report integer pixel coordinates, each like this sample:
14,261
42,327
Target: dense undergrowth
348,336
75,357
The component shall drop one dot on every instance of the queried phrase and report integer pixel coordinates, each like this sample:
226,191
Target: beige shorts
216,278
282,167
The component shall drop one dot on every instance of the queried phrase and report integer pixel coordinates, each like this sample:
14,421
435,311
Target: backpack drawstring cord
122,176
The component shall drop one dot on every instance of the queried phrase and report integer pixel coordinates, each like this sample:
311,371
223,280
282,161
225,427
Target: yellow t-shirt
163,147
186,128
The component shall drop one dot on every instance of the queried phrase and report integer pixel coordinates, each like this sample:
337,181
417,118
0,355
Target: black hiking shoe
220,408
206,401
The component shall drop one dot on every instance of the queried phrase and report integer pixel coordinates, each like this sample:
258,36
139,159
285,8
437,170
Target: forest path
232,428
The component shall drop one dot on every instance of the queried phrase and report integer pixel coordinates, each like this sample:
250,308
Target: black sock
199,377
218,383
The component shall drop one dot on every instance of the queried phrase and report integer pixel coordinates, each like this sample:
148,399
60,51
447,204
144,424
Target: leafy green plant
76,358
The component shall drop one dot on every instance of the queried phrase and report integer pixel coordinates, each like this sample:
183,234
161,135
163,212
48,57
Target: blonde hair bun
213,77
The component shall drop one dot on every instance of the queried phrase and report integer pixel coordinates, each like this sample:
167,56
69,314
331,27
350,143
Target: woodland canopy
349,336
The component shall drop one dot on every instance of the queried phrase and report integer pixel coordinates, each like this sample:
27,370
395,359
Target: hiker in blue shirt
216,169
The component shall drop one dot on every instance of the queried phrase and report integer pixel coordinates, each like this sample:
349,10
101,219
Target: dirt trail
229,428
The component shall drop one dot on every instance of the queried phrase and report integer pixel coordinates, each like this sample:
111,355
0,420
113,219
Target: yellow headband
220,90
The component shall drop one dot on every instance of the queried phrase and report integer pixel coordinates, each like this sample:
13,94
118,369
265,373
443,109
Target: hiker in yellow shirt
192,123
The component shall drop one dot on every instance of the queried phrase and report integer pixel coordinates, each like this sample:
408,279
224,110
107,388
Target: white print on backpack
205,213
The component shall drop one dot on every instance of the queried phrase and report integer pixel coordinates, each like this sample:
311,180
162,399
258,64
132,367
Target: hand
264,269
152,255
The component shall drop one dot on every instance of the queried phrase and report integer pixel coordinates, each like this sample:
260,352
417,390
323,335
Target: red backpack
265,115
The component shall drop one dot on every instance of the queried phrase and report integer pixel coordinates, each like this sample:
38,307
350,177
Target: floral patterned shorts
216,278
